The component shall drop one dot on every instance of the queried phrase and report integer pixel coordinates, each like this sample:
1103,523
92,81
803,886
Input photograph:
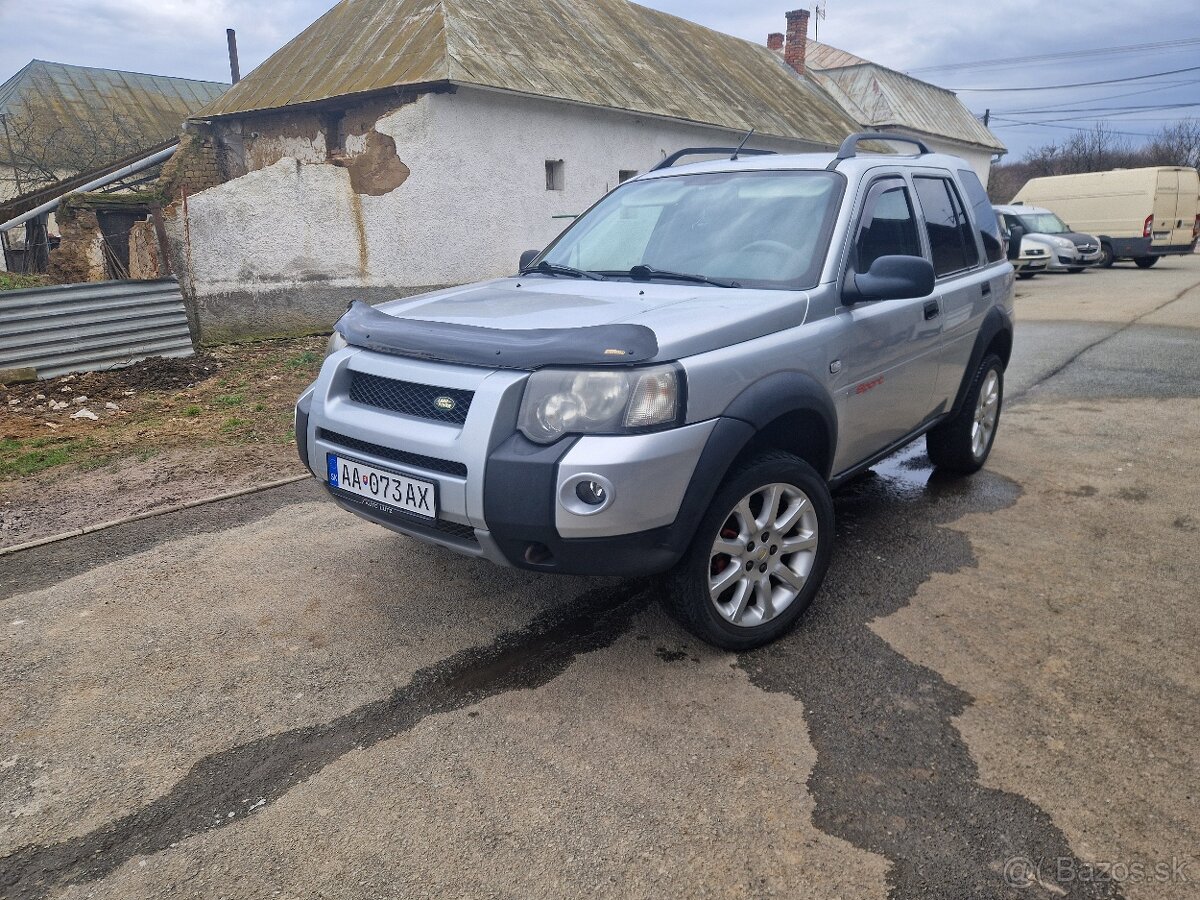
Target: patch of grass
27,457
233,424
13,281
231,400
192,411
309,359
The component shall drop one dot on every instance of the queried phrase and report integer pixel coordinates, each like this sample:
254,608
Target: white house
393,147
883,99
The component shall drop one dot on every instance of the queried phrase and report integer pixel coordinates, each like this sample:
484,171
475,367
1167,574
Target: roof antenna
741,145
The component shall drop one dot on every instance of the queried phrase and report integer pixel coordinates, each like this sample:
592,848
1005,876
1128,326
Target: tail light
1149,224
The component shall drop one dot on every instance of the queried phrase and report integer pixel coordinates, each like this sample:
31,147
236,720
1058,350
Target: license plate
411,495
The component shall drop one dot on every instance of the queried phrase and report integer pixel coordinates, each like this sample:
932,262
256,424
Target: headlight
599,401
1065,242
336,343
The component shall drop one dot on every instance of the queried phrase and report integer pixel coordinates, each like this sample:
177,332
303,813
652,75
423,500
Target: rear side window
951,237
985,216
889,227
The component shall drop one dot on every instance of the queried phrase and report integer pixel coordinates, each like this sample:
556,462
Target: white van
1138,214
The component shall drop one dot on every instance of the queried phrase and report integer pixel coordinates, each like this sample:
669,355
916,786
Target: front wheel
1145,262
1075,271
962,444
759,555
1025,276
1106,257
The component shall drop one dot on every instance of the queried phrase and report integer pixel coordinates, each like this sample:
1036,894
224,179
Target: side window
950,235
888,227
985,216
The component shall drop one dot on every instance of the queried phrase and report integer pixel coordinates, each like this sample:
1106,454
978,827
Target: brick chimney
775,41
797,39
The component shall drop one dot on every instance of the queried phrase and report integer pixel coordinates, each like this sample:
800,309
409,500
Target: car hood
686,319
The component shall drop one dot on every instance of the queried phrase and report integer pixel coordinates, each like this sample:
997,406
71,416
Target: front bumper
1068,258
500,496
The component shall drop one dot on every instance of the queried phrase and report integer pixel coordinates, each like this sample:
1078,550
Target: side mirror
895,278
1015,234
526,258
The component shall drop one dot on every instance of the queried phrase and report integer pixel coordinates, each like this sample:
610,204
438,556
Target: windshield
1043,223
750,229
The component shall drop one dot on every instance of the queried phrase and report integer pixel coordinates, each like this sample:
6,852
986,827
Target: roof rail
709,151
849,148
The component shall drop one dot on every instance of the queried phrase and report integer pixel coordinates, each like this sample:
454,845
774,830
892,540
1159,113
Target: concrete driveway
995,695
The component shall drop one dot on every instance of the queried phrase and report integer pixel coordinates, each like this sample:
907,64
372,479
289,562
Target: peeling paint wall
441,190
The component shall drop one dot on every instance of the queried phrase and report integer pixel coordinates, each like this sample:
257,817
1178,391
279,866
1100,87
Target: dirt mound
158,373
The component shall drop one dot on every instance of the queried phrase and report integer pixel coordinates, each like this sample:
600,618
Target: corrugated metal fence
89,327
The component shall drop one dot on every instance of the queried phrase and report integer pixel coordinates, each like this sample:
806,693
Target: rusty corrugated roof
608,53
67,107
881,97
823,56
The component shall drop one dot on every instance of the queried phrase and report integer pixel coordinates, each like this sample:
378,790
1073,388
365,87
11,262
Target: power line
1008,123
1166,85
1058,87
1113,109
1067,54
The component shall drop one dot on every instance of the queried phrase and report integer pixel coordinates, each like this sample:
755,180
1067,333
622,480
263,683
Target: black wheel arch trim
995,323
784,393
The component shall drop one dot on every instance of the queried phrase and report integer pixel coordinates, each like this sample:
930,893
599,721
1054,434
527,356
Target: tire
1145,262
1075,271
756,605
1106,257
956,445
1025,276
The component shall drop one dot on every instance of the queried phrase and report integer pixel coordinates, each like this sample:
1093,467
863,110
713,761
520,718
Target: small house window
554,175
625,174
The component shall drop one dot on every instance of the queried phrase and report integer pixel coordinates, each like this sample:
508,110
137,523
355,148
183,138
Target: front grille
422,401
434,464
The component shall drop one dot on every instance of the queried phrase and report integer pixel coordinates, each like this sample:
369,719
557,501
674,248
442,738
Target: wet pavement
993,696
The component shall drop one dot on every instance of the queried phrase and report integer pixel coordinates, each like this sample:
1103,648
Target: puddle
225,787
893,775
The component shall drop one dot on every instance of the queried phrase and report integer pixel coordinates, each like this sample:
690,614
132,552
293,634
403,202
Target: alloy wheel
987,408
763,554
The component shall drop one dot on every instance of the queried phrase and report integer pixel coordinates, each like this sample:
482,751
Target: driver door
889,363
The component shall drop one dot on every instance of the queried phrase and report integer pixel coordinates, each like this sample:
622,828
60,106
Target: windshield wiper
549,268
648,273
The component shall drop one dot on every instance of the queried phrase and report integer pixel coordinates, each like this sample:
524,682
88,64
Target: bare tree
45,152
1175,145
1098,150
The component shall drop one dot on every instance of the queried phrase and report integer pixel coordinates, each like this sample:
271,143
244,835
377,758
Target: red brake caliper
722,559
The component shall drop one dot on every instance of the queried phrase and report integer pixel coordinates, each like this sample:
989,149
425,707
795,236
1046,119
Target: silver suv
680,379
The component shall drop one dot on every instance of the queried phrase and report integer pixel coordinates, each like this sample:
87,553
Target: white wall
980,160
291,242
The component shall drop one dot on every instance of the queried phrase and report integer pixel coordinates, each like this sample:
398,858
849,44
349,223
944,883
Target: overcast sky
187,38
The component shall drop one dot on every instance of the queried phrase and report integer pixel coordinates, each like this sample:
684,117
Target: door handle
987,289
931,310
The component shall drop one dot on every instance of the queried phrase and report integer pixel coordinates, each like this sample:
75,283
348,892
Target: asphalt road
994,696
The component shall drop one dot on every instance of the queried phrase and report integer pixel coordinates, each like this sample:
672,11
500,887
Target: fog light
586,494
591,493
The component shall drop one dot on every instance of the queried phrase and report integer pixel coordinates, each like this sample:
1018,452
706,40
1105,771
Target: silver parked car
1073,252
678,382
